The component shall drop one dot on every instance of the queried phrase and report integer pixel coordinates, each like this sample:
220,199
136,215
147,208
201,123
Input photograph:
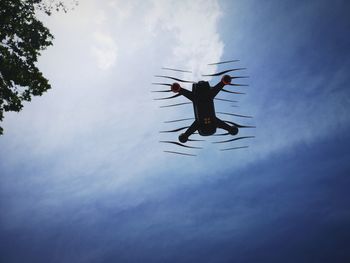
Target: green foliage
22,38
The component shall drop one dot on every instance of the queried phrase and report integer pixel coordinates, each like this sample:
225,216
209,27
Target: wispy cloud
99,128
105,50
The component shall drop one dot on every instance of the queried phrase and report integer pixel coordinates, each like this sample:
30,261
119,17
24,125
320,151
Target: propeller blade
232,114
240,77
176,130
221,134
180,80
160,83
238,85
182,145
166,98
234,148
223,62
186,154
222,72
178,70
225,100
238,125
235,139
161,90
179,120
174,105
234,92
195,140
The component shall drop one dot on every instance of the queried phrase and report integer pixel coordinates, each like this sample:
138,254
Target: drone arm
233,130
192,129
218,87
223,125
186,93
175,87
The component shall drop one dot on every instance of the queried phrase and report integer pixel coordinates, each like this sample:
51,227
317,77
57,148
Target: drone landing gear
183,137
233,130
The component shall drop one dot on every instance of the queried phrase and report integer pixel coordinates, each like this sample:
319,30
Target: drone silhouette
202,97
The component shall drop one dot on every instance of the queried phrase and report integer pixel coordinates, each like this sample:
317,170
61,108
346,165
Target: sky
83,177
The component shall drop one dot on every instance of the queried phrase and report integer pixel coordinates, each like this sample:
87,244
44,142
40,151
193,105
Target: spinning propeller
226,80
223,62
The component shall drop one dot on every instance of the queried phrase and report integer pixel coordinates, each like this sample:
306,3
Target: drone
202,98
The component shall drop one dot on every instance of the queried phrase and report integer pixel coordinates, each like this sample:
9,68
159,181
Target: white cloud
104,50
99,128
195,28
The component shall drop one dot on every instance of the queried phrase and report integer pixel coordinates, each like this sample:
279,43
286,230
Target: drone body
202,97
204,109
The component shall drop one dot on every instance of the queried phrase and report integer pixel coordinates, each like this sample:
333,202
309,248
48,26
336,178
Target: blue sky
84,179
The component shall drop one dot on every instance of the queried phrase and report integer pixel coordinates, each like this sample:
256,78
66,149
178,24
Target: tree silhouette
22,37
